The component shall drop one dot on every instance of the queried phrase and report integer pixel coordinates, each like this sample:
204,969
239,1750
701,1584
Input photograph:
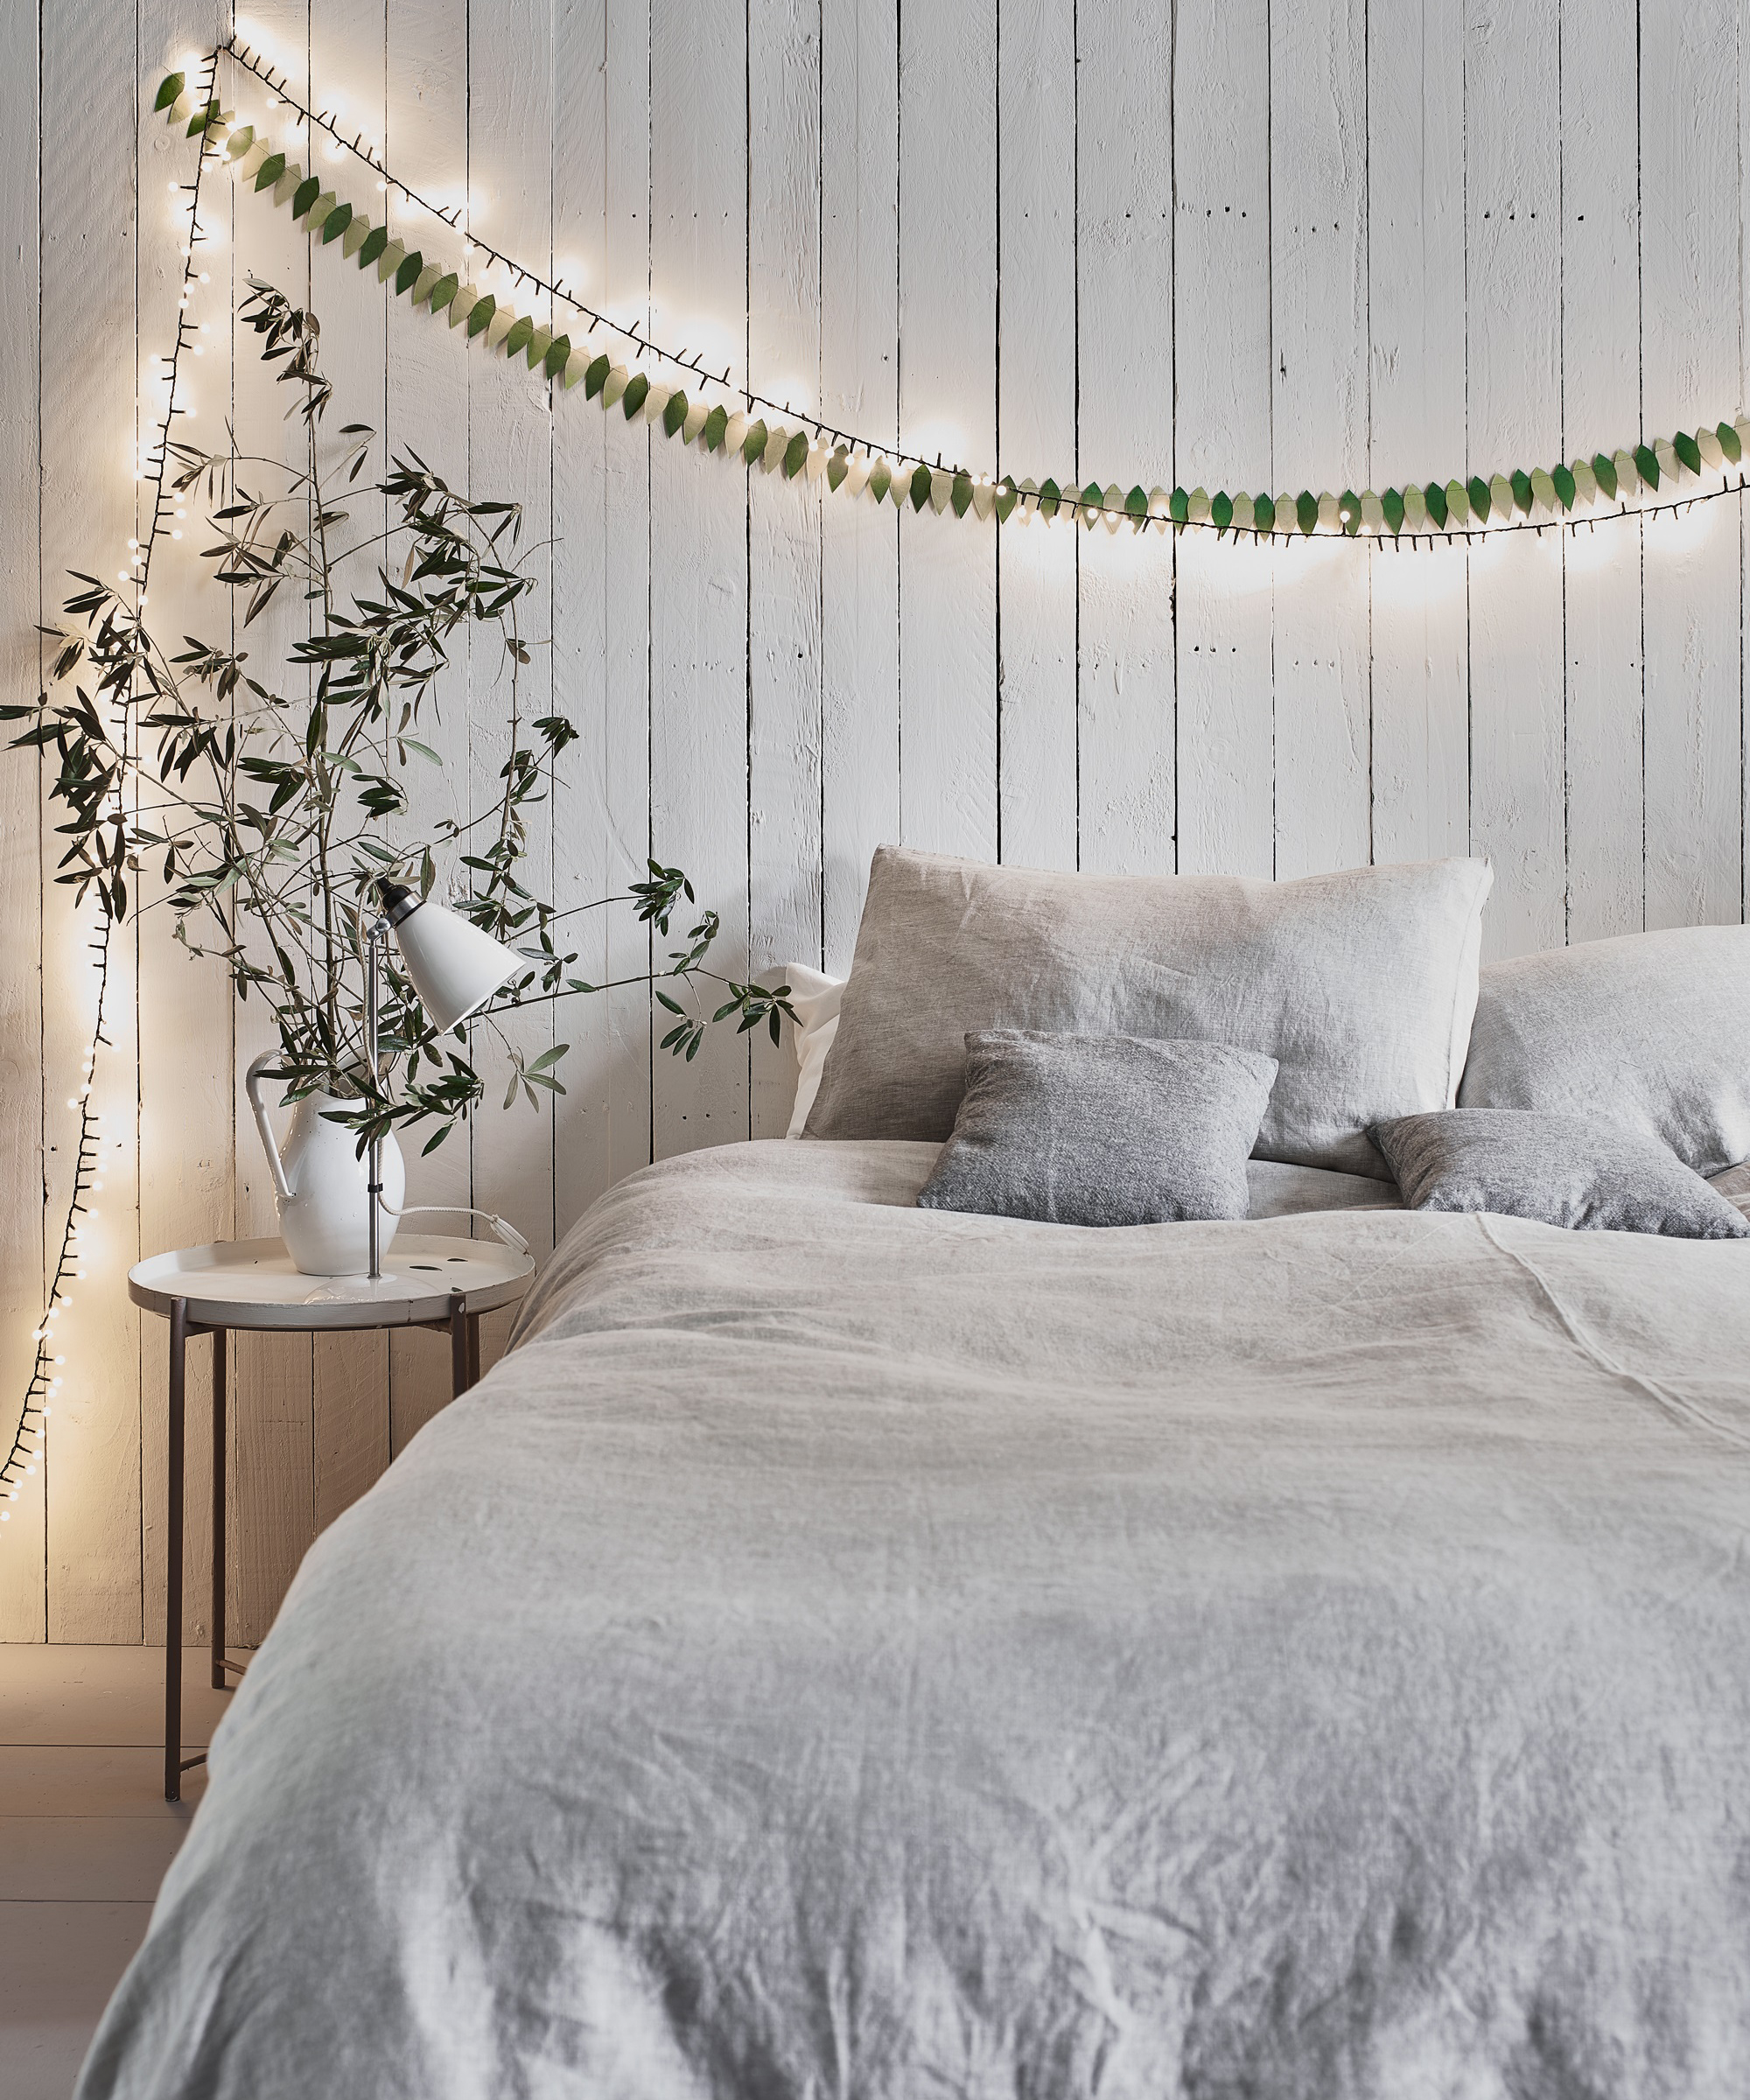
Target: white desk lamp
455,969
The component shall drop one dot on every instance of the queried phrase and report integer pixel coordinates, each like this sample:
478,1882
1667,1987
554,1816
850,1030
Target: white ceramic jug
320,1185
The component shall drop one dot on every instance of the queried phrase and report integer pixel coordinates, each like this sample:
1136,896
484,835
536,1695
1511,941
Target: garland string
1623,483
28,1449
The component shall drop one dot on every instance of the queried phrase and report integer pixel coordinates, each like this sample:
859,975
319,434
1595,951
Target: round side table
429,1282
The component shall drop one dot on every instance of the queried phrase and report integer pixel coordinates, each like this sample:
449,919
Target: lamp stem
373,1177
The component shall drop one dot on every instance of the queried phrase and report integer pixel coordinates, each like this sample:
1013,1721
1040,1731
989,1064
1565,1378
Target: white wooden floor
85,1838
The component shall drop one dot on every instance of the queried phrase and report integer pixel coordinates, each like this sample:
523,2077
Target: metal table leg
179,1366
459,1380
219,1678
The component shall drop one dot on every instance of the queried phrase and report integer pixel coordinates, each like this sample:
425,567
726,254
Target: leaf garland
1458,508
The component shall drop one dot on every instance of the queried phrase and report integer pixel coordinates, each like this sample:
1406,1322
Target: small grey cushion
1360,984
1646,1033
1554,1168
1101,1130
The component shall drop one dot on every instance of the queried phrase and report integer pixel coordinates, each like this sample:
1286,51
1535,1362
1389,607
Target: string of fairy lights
723,417
27,1454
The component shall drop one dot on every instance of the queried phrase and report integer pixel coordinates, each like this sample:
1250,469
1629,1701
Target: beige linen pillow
1360,985
1649,1033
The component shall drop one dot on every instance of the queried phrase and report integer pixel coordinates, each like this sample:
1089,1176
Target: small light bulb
29,1469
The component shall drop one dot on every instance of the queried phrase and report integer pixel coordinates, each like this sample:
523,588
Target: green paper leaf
1306,510
961,495
795,455
716,423
1688,451
1264,513
1349,512
1136,504
1604,467
880,480
674,413
516,339
168,91
1221,511
239,141
198,122
1050,497
480,314
836,468
1646,465
270,170
1729,444
406,276
373,244
444,290
558,353
596,378
754,443
921,486
1477,489
337,222
1564,483
1434,495
1392,504
636,388
304,195
1522,489
1179,507
1007,496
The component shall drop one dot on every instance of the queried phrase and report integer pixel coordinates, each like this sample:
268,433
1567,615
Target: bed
846,1650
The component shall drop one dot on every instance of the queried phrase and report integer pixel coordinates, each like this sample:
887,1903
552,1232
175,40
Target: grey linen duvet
853,1651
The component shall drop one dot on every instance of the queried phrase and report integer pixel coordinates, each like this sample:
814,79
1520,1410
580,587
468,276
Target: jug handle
252,1086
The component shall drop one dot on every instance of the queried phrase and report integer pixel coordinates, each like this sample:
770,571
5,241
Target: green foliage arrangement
261,807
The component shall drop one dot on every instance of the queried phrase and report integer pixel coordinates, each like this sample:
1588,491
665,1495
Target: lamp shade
455,967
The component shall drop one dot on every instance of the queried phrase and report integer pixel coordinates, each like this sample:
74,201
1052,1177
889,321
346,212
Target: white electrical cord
507,1232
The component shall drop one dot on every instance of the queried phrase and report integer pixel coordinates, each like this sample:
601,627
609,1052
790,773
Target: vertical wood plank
601,179
1691,297
187,1168
1318,323
428,414
1038,731
1513,343
1416,297
510,443
348,62
698,537
784,523
22,1596
91,349
1222,393
859,389
947,349
1600,123
1125,234
270,1420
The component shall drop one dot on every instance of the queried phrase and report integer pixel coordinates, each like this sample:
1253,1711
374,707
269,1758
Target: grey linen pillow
1360,985
1101,1130
1557,1169
1646,1033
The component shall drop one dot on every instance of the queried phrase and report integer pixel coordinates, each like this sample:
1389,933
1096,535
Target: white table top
253,1284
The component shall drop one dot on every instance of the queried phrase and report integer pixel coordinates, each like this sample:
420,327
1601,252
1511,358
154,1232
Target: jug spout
252,1084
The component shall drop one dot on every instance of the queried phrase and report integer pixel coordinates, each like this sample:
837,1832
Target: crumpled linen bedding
848,1650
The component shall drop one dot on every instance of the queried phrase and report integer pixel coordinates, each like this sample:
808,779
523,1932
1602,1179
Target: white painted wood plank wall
1229,241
